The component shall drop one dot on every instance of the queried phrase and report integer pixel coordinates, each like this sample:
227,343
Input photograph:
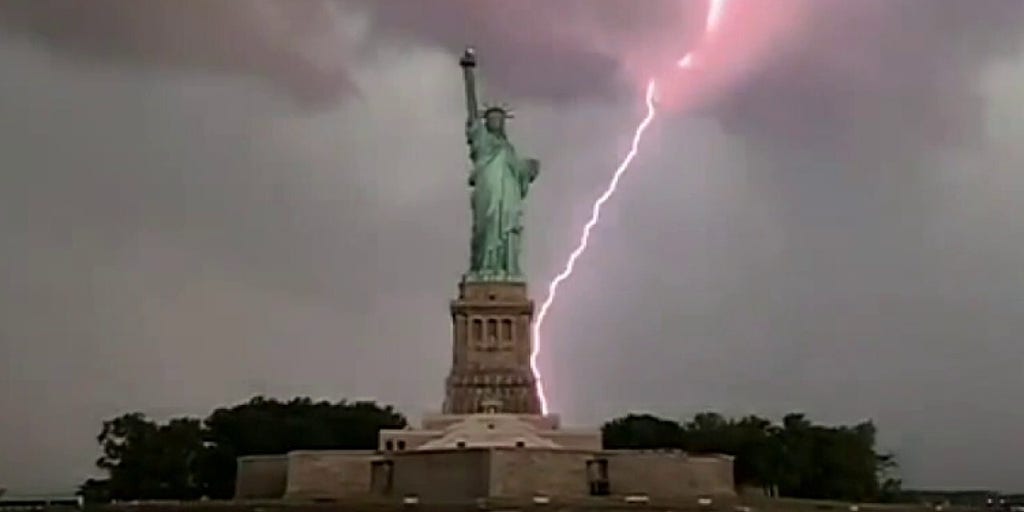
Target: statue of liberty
500,181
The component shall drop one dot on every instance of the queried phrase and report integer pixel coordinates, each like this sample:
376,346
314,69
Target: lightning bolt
716,8
714,16
595,216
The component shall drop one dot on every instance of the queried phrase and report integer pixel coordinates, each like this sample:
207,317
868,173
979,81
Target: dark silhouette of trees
266,427
151,460
795,458
187,458
641,432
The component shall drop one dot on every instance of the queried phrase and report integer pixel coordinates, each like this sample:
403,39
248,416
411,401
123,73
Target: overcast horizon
199,205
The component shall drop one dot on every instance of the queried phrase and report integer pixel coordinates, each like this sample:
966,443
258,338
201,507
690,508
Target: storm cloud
850,64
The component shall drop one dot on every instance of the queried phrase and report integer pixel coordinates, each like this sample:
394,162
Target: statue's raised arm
500,180
468,63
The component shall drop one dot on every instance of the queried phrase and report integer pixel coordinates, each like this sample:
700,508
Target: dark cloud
562,50
878,76
283,41
918,59
554,49
820,73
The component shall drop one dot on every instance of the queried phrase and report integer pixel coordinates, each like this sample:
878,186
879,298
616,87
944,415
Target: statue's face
495,121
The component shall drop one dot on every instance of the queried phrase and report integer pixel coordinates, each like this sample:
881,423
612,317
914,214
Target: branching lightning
714,16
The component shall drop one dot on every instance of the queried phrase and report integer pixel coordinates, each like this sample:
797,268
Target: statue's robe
500,181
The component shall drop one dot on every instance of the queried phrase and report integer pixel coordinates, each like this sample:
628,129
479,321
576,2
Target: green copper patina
500,181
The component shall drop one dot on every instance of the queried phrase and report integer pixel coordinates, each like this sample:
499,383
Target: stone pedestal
491,343
491,441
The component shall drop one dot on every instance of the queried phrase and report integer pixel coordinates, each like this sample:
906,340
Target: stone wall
261,477
575,439
582,505
329,474
441,476
669,475
404,439
461,475
715,472
555,473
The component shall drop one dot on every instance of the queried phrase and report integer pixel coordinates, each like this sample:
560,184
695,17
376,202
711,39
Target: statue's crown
504,108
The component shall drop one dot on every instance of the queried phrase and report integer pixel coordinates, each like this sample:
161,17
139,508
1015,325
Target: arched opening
477,330
506,330
492,333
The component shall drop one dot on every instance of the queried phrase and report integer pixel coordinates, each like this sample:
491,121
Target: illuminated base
462,458
491,343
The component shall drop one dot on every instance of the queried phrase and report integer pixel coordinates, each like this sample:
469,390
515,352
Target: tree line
796,458
188,458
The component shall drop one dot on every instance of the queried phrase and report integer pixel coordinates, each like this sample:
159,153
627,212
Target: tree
149,461
267,427
798,458
641,431
187,458
752,441
95,490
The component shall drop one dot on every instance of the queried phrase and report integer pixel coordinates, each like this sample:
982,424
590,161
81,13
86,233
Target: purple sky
259,196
